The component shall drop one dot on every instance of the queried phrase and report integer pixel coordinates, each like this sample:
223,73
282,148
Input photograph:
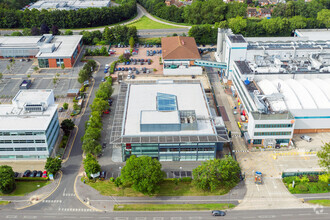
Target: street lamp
119,171
180,171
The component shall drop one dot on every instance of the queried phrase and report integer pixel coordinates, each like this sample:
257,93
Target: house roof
179,48
265,10
250,10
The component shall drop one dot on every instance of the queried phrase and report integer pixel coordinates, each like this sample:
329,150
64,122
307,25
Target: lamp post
119,171
180,171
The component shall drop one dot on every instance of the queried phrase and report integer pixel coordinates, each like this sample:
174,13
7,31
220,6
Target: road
142,33
299,214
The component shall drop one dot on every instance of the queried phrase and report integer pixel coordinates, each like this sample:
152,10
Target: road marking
257,187
158,218
305,214
266,216
30,217
121,218
247,217
140,218
176,218
11,216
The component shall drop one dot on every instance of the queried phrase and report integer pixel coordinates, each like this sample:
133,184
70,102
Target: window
5,141
166,102
43,63
257,141
39,141
280,141
59,62
41,149
273,125
271,133
7,149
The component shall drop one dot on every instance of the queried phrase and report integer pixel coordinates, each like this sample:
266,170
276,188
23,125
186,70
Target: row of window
273,125
26,133
23,149
271,133
22,141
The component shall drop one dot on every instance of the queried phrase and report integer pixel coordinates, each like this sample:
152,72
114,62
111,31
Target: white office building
68,4
29,126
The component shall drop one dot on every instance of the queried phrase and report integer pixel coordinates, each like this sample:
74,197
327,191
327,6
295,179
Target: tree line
211,11
81,18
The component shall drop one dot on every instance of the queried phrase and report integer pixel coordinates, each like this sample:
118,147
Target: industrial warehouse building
29,126
68,5
168,120
282,85
51,51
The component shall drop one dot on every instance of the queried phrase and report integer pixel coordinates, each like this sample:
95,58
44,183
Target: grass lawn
167,188
324,202
4,202
23,188
147,23
171,22
172,207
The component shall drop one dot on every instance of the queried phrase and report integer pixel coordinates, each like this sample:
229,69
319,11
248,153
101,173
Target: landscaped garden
323,202
23,188
308,183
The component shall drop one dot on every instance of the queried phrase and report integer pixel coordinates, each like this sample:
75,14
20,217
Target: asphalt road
299,214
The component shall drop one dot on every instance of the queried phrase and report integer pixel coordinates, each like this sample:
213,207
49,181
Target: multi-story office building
168,120
68,4
51,51
29,126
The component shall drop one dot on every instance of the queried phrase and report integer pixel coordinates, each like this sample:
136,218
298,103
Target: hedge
29,179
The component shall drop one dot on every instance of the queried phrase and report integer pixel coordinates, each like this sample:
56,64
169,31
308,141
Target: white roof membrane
303,95
318,96
324,86
290,97
268,89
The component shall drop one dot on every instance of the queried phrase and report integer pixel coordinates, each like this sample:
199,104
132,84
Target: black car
103,175
126,68
39,174
16,174
104,145
27,173
33,173
218,213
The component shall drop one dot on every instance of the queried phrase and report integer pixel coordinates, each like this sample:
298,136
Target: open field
147,23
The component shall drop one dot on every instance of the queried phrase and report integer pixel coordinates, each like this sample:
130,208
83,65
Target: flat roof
160,117
236,39
64,46
19,41
314,34
142,97
14,118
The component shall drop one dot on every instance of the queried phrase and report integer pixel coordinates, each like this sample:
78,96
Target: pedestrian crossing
52,201
69,194
74,210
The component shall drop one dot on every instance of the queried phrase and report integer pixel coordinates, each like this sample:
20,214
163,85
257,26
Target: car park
27,173
218,213
44,174
39,174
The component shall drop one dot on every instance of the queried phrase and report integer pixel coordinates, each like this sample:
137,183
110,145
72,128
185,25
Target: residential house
265,13
252,12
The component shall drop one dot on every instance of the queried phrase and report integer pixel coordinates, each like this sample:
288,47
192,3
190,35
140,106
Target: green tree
62,66
16,33
7,180
99,105
95,120
297,22
67,125
53,165
132,42
91,146
324,156
214,173
143,174
83,75
323,16
105,90
35,69
237,25
91,165
26,32
65,105
92,133
68,32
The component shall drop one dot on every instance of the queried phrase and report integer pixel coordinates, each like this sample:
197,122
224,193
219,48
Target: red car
44,174
106,111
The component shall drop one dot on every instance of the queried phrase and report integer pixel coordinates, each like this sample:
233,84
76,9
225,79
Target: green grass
171,22
147,23
23,188
324,202
4,202
172,207
167,188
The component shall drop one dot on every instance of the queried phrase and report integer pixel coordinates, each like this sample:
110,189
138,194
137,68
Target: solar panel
166,102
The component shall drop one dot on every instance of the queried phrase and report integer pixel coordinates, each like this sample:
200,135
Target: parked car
218,213
103,79
116,69
106,111
133,77
104,145
44,174
103,175
33,173
16,174
133,68
39,174
306,138
137,72
126,68
27,173
105,71
61,109
106,66
128,76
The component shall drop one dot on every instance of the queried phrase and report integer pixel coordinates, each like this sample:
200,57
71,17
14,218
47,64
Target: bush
313,178
302,188
64,141
324,178
112,179
65,106
186,179
304,179
118,182
30,179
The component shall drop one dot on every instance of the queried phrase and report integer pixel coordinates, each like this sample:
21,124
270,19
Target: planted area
307,183
4,202
147,23
24,188
323,202
172,207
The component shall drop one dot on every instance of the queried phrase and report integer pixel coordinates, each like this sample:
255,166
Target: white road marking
11,216
257,187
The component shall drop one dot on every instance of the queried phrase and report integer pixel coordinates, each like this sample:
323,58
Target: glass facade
271,133
273,125
172,152
43,63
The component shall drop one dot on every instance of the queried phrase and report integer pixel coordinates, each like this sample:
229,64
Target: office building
68,4
29,126
166,119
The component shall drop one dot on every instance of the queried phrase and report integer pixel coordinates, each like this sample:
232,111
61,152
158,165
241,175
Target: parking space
140,60
16,68
318,140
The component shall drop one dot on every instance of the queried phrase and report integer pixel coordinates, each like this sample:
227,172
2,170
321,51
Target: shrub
29,179
176,181
313,178
64,141
304,179
112,179
324,178
302,188
118,182
65,106
186,179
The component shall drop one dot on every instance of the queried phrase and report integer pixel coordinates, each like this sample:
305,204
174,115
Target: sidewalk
93,198
20,202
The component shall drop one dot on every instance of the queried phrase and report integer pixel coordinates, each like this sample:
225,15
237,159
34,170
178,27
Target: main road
299,214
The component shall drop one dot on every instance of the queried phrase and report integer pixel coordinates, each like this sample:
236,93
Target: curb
74,139
60,172
75,192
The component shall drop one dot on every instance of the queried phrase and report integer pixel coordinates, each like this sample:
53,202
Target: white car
128,76
107,66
